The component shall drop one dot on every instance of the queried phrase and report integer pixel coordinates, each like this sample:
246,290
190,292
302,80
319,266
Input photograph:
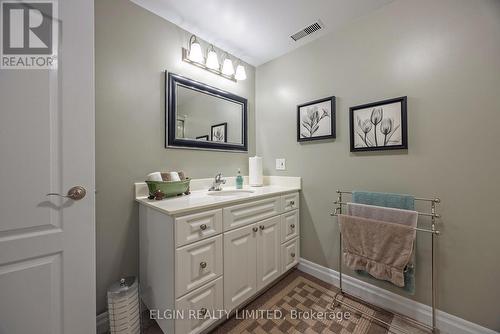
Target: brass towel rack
433,231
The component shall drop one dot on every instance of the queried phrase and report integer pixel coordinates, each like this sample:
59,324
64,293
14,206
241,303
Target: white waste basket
123,307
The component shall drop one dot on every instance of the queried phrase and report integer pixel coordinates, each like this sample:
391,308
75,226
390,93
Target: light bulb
212,60
241,74
195,53
227,67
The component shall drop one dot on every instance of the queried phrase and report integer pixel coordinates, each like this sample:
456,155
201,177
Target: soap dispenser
239,180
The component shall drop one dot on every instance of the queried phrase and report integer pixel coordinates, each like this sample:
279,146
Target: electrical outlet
281,164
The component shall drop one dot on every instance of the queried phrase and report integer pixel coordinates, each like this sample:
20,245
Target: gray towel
389,215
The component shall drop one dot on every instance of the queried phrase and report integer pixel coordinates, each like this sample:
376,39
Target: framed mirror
204,117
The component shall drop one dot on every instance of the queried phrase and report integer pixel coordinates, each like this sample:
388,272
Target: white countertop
200,199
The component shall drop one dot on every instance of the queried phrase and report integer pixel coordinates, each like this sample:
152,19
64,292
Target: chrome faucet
218,182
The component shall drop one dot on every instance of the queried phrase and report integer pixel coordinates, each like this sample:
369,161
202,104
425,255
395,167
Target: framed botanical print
379,126
219,133
316,120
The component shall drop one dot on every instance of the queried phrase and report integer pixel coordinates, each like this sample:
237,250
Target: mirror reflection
202,116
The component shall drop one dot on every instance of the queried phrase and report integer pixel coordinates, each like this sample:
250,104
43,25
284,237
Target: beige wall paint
133,48
445,56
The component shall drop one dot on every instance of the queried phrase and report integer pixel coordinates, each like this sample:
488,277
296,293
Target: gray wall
445,56
133,47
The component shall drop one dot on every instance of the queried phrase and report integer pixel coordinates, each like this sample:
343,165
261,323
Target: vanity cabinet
205,260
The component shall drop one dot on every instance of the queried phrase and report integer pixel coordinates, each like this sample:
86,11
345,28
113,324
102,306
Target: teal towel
388,200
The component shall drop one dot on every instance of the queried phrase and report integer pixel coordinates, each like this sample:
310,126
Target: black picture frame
224,125
171,80
205,137
403,125
332,134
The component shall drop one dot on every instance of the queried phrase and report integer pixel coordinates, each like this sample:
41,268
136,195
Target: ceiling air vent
307,30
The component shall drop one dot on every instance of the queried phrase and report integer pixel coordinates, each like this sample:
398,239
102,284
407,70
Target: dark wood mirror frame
171,80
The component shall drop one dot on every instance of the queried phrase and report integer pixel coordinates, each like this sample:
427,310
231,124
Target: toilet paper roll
156,176
255,171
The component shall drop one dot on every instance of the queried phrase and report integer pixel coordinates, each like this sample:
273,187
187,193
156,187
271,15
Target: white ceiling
258,31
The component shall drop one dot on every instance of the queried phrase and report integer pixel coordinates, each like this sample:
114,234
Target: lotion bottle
239,180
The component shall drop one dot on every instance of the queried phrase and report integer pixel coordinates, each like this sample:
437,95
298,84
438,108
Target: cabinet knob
203,311
292,225
292,254
255,229
203,265
203,227
262,227
292,203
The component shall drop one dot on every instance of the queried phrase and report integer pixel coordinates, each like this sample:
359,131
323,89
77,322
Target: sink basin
231,192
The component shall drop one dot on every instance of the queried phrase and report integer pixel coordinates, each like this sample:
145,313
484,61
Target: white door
47,247
240,264
268,251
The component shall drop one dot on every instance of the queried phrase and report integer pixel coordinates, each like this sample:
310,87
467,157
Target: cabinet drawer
289,225
197,226
290,201
205,303
200,308
290,254
197,264
248,213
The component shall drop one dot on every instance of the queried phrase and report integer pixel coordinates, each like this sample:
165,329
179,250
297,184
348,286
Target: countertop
200,199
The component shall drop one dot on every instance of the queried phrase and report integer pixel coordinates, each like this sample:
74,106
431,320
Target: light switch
281,164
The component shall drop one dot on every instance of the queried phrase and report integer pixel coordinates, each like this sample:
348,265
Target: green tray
169,188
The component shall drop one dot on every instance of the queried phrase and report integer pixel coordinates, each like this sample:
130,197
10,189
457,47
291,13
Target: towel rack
433,232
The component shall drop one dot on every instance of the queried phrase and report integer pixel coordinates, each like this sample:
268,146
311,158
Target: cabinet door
290,254
240,263
268,251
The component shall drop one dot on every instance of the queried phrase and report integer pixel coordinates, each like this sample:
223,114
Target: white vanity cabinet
200,261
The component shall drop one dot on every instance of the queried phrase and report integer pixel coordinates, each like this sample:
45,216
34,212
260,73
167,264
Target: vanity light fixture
194,55
194,52
240,74
212,60
227,66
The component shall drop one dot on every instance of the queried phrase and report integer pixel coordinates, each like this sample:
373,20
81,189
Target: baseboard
446,323
102,323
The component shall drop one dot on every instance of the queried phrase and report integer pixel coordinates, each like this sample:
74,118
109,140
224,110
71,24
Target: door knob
75,193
